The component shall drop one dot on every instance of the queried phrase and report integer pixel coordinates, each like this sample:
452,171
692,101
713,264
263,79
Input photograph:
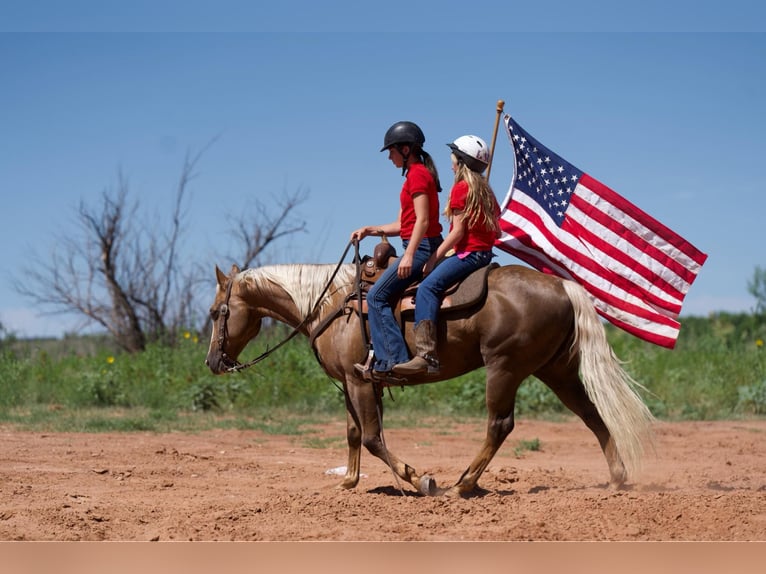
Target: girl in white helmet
473,212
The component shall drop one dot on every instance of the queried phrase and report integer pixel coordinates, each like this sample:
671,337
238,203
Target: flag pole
500,106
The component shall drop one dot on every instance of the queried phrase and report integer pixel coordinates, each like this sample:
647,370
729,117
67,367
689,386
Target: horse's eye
214,314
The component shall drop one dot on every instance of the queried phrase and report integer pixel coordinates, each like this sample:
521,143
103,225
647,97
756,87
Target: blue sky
673,121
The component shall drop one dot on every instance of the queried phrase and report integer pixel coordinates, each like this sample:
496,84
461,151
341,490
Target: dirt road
706,482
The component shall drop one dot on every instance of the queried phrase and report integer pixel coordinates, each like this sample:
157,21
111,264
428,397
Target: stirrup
364,370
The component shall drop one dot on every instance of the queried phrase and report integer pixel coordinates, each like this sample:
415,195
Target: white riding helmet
472,151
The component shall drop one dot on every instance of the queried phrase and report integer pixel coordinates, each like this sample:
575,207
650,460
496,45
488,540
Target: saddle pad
467,292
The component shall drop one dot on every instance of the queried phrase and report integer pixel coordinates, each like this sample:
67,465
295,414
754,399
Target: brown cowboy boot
425,359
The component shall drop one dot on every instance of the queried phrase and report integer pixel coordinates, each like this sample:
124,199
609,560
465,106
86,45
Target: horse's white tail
607,384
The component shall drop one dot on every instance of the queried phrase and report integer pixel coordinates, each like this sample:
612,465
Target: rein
236,366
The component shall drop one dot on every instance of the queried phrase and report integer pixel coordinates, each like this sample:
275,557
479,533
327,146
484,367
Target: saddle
465,293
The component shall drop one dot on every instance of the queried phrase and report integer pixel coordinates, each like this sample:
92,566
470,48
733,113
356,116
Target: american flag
562,221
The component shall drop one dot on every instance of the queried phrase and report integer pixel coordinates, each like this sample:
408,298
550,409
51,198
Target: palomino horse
529,323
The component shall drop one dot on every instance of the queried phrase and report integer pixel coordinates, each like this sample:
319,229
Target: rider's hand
405,266
360,233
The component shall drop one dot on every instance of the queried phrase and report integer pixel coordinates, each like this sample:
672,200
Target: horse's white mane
303,282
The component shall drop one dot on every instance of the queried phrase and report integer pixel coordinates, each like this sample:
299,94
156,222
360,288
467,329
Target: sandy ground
706,482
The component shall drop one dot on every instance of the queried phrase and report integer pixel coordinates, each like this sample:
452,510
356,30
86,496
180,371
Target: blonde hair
480,201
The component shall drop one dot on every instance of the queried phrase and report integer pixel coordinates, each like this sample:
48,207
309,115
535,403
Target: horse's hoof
453,492
347,484
459,491
427,486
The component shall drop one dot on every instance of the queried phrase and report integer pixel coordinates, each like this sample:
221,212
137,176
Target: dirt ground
706,482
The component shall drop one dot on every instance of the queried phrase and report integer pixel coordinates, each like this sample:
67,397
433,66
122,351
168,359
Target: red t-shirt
419,180
477,237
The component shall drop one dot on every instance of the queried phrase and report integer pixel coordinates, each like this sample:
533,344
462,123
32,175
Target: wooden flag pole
500,106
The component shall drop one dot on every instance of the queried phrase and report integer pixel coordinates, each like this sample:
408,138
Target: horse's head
235,323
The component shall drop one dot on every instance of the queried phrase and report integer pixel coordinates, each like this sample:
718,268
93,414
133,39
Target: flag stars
546,177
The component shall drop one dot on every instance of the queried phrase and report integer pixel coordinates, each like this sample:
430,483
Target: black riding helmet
401,134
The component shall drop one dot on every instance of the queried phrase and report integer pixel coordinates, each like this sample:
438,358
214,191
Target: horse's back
526,307
523,286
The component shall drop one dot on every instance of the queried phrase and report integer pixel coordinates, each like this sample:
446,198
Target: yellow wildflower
759,342
110,359
187,335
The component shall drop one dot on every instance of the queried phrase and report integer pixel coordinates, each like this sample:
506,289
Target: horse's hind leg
569,389
364,415
501,400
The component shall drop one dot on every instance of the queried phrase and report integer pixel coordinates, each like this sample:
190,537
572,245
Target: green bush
717,370
752,398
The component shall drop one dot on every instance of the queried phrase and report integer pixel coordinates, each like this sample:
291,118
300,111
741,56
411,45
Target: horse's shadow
478,492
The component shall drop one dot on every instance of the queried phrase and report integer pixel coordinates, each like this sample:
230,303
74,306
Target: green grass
716,371
523,446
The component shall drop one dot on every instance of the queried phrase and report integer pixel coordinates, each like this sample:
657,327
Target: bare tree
255,234
126,274
757,288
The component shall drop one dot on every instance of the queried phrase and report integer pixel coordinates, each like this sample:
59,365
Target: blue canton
545,177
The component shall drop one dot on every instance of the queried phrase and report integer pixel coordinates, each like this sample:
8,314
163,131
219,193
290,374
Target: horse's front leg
354,439
365,412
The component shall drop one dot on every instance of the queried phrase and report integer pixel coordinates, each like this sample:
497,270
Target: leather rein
223,312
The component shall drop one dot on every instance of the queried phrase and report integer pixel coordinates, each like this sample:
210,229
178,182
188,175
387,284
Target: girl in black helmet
473,213
418,225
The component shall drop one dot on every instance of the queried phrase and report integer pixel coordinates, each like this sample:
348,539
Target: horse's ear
234,270
220,277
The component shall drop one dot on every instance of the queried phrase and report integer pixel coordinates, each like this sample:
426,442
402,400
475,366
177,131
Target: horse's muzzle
221,364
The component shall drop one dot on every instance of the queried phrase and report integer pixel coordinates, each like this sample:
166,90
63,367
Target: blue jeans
448,272
385,332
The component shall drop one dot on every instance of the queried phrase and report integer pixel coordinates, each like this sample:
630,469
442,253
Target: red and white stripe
636,270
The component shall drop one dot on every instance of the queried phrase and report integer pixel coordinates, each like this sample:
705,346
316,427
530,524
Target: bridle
223,316
232,365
